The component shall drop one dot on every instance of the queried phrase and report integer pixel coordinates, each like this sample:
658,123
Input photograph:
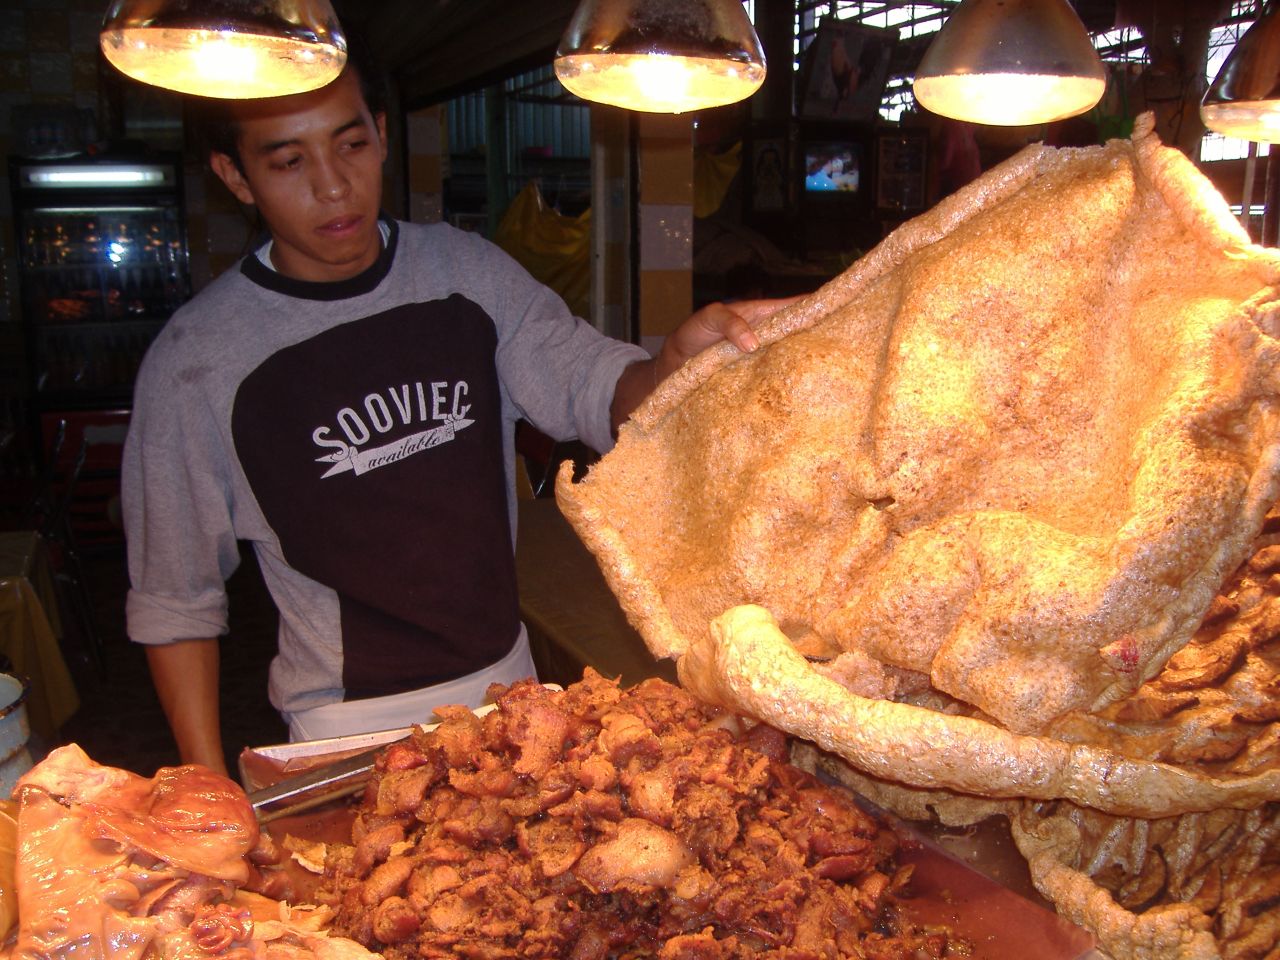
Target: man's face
312,164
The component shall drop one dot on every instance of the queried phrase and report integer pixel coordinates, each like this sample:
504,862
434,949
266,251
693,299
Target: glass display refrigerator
102,264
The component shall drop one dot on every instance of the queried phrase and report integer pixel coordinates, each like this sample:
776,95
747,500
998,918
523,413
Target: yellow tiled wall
665,224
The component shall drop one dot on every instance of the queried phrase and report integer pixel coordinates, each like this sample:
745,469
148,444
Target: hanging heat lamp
1011,63
661,56
1244,99
233,49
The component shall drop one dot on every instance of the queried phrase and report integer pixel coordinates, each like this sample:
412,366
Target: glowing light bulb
662,79
1249,119
217,55
658,83
222,64
1008,99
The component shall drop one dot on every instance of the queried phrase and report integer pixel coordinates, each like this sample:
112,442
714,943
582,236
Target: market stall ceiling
440,48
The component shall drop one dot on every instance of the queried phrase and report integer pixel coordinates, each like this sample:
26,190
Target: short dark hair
219,126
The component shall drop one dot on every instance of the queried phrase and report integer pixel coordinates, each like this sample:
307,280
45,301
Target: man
345,399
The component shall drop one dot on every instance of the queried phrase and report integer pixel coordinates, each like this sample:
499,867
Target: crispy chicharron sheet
1003,463
1202,885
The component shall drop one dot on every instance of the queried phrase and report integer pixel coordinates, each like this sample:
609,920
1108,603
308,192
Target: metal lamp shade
1244,99
234,49
1011,63
661,56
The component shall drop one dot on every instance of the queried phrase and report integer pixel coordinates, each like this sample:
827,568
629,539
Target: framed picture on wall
844,70
769,175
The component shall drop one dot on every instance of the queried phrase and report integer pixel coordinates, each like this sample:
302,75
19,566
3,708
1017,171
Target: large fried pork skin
1199,885
1010,455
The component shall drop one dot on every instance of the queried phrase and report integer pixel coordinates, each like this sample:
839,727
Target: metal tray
264,766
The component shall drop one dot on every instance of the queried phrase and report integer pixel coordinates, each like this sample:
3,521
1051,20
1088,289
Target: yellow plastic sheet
28,632
712,174
554,248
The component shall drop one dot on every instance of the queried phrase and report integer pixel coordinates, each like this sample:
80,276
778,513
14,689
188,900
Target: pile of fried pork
599,822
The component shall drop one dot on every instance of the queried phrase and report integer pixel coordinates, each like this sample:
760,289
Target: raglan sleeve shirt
182,547
186,500
557,370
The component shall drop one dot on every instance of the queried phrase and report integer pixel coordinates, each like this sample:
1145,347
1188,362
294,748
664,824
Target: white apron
414,706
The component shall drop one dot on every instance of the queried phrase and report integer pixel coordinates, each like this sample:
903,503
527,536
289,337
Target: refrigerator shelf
100,269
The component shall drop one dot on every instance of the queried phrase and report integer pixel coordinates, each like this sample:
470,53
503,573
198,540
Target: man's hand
710,325
707,327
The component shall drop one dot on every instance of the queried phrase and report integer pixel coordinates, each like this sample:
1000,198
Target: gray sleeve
181,544
559,371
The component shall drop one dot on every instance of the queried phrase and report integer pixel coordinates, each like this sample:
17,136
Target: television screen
833,167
